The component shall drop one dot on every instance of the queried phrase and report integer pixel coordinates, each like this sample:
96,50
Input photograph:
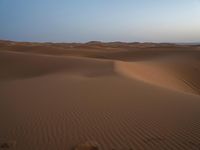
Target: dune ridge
182,77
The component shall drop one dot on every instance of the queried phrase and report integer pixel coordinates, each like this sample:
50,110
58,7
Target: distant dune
121,96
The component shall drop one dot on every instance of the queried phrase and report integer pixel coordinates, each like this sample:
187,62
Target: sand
117,95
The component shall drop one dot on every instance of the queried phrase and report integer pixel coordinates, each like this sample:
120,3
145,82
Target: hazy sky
104,20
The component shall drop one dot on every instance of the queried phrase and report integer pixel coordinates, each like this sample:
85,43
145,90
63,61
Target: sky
100,20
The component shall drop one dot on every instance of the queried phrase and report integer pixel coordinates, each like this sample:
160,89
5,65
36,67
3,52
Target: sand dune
23,65
178,72
143,100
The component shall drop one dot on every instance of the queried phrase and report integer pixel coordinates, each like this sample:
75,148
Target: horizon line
99,41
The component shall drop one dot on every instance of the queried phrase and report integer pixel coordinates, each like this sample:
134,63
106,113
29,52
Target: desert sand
121,96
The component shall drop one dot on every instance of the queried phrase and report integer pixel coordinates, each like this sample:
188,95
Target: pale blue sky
103,20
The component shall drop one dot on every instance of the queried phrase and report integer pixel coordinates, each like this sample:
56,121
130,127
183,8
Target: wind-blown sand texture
122,96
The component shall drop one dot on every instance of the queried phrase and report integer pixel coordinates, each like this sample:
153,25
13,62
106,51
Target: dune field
120,96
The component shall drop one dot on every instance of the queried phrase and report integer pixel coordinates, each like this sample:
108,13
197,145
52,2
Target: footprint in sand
4,145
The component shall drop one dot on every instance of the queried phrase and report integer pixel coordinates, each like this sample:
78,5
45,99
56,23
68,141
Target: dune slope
178,72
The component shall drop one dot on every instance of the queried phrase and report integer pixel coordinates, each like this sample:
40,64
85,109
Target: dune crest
156,74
